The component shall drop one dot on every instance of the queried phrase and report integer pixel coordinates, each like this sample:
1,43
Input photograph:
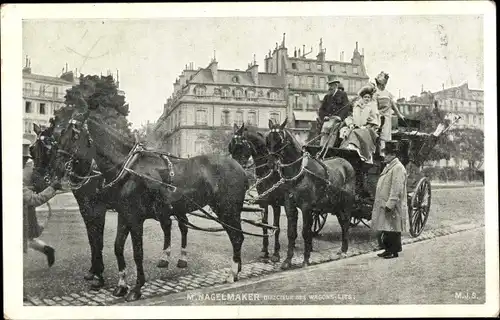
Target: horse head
74,143
239,147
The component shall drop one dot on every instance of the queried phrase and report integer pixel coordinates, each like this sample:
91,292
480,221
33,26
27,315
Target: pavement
444,270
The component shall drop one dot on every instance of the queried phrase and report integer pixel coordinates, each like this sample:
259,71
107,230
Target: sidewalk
445,270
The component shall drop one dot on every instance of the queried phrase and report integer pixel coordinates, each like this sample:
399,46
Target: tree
101,95
469,146
218,141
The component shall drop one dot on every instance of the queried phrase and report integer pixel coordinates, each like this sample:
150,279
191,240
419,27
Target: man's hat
26,148
391,147
333,79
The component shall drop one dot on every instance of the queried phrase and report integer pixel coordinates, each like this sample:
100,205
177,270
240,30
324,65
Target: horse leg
276,224
182,262
344,224
137,233
121,237
265,240
166,226
97,226
307,219
291,216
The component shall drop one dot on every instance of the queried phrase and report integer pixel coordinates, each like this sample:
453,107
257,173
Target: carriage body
415,147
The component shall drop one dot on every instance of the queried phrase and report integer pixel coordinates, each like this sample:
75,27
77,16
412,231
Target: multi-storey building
465,102
306,80
291,86
210,99
42,95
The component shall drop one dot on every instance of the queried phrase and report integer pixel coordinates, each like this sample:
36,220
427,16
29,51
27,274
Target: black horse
180,186
248,142
312,185
86,182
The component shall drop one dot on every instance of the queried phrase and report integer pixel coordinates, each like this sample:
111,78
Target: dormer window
236,79
355,70
344,68
200,90
294,66
307,66
332,68
319,67
238,93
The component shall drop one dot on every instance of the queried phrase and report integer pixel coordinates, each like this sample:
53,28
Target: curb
163,287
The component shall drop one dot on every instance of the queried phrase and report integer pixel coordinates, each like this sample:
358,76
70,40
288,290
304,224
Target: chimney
253,68
283,42
27,66
66,67
303,49
321,53
443,86
213,68
117,78
295,52
176,85
299,53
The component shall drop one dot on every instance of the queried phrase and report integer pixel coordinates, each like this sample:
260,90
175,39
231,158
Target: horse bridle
47,143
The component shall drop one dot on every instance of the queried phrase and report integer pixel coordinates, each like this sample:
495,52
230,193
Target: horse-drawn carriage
414,150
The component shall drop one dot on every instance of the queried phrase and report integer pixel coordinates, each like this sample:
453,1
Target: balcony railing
226,99
48,95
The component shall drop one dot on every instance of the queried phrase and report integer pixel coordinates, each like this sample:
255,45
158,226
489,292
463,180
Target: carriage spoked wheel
419,206
319,220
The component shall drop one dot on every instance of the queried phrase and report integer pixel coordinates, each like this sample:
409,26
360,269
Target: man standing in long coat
390,209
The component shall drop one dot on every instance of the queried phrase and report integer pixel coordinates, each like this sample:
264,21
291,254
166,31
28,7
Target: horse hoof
230,278
182,264
89,276
342,254
97,283
162,264
120,291
133,296
287,264
275,258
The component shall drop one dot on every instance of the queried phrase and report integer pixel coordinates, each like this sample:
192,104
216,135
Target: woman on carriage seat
385,103
360,131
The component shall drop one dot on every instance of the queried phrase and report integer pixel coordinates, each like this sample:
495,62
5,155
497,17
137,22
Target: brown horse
85,184
249,142
312,185
185,185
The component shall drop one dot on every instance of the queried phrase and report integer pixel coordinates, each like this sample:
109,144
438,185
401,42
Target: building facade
42,95
465,102
306,80
290,87
210,98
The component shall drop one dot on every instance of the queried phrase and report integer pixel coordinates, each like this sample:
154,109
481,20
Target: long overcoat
391,193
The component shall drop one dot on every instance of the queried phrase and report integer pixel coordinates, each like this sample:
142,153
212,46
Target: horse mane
295,142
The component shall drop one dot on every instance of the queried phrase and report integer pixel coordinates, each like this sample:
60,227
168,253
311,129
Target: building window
251,94
462,105
252,118
236,79
238,94
332,68
319,67
55,92
225,120
307,66
27,88
27,126
239,118
200,146
27,107
294,66
216,92
355,70
296,81
201,117
274,116
200,91
344,68
455,105
322,83
42,90
470,106
310,82
273,95
42,108
225,93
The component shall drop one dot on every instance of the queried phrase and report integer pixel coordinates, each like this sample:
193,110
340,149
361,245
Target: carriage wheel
319,220
419,207
354,221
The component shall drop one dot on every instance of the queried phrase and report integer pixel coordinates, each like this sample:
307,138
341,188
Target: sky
151,53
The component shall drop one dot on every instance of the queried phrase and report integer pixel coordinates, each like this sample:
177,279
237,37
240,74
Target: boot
50,253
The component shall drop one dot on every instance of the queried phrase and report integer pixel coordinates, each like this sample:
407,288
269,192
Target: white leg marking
122,281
